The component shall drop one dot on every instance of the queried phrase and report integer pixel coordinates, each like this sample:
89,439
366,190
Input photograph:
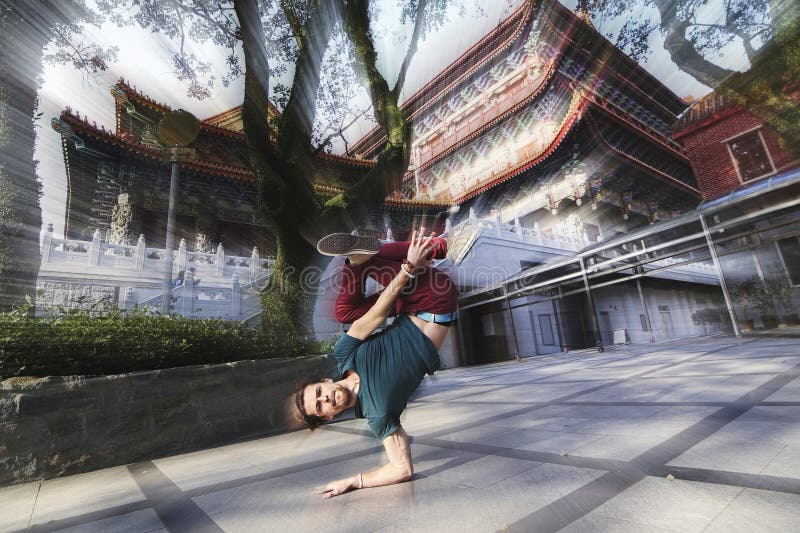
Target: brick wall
710,159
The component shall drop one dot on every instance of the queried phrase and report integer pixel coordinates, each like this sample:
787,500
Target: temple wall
711,160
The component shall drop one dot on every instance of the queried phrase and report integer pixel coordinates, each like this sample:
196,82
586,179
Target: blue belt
444,318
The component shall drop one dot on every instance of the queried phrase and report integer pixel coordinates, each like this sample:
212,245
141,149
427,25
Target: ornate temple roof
221,137
508,103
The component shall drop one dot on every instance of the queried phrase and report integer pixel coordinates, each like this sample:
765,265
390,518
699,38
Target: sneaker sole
347,244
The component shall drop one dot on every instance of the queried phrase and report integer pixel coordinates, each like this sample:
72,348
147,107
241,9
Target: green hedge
76,343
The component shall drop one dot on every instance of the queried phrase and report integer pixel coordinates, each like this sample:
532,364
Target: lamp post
177,130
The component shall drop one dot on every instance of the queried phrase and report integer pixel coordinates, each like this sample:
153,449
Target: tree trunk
682,51
285,199
24,32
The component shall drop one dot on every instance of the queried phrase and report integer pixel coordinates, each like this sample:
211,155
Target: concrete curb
62,425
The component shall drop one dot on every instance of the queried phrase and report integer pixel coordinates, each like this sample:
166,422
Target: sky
144,61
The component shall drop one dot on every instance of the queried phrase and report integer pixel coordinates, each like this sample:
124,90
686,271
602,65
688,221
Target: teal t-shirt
391,365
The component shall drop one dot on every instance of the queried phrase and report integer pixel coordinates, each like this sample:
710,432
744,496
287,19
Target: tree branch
683,52
297,123
338,133
285,196
298,30
419,24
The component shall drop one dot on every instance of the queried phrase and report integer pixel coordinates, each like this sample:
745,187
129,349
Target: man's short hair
312,422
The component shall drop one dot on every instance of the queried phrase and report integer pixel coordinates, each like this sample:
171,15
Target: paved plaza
696,435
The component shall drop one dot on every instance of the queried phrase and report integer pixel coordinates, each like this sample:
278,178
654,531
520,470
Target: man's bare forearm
389,295
373,318
400,468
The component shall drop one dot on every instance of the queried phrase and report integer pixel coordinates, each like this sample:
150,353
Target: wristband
360,481
411,268
406,271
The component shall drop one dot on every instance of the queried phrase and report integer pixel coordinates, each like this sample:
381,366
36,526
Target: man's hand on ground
336,488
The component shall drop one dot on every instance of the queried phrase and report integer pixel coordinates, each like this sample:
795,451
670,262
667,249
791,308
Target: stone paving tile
619,447
421,419
678,389
467,469
533,420
788,393
16,505
98,490
769,365
625,412
604,524
209,467
786,463
759,510
144,521
684,506
602,373
523,439
445,394
278,505
534,392
437,505
748,445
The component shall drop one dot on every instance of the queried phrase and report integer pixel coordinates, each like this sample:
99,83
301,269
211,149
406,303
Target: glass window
790,253
750,156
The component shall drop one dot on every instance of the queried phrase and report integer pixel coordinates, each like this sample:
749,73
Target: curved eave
349,161
163,109
224,132
669,102
207,167
145,100
389,201
641,164
566,128
416,204
638,129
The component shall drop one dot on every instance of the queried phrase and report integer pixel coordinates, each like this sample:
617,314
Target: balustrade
558,238
211,281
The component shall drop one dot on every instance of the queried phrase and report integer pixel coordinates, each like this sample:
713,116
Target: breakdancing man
380,372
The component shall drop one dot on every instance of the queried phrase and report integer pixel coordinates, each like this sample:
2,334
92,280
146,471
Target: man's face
326,399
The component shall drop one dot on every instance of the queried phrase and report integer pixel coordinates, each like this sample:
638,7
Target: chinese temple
543,118
118,181
528,124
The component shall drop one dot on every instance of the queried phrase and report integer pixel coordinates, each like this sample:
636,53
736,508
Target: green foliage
281,304
81,342
709,315
782,292
753,293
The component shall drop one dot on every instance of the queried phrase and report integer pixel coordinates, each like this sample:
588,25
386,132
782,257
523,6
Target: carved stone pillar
126,226
206,227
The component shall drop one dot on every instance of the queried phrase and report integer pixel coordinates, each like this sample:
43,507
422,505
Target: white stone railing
75,272
557,239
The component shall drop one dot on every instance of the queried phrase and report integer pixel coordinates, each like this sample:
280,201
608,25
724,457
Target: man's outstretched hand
335,488
421,248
